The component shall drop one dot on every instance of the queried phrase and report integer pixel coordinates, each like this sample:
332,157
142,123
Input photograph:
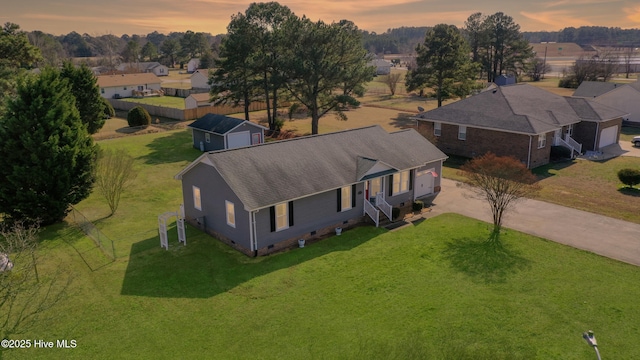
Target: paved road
599,234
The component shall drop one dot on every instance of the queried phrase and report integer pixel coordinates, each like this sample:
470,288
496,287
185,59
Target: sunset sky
144,16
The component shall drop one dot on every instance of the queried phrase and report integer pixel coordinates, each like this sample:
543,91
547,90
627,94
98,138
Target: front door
373,187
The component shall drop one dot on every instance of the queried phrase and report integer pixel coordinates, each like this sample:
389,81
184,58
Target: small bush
629,177
395,212
138,116
560,152
109,111
418,205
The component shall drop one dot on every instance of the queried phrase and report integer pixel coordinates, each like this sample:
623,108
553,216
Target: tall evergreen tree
326,66
84,87
443,63
48,158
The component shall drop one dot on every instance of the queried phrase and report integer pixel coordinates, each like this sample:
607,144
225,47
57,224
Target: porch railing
373,213
574,144
383,205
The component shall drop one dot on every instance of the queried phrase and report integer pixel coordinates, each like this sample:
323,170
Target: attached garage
424,183
238,139
608,136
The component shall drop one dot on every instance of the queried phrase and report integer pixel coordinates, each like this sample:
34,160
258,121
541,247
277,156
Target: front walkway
615,239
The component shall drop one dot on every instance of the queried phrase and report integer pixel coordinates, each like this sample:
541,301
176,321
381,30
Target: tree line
588,35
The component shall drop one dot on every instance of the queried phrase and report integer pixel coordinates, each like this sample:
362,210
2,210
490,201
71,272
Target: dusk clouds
143,16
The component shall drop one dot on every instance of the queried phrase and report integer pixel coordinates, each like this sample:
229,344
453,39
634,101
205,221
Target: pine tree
84,87
47,159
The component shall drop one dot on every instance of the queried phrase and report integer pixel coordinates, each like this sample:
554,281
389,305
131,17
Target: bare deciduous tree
25,297
392,81
114,172
501,181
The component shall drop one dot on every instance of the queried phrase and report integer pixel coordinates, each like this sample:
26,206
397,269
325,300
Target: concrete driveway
615,239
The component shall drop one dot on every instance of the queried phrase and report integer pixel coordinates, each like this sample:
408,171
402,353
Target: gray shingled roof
593,111
275,172
217,124
519,108
591,89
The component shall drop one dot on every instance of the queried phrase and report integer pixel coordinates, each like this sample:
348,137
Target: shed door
239,139
608,136
424,183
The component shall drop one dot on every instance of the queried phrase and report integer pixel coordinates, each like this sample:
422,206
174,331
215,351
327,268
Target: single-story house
144,67
217,132
196,100
193,65
263,198
383,67
625,97
200,79
121,86
522,121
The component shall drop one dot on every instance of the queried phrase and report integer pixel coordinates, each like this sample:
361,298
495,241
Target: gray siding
217,141
400,199
213,193
248,127
309,214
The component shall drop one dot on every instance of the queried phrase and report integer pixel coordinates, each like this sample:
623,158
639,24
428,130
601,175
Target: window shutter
272,214
411,173
290,213
353,195
390,185
339,200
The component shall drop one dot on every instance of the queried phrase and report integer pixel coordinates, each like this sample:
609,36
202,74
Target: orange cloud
633,14
556,19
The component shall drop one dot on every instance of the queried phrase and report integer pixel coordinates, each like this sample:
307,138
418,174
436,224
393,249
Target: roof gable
519,108
271,173
593,89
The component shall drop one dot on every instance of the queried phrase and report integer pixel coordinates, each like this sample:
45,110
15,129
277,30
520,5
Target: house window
196,198
140,87
102,90
124,88
161,71
462,132
437,128
400,183
231,213
542,141
282,216
345,203
255,139
570,130
207,137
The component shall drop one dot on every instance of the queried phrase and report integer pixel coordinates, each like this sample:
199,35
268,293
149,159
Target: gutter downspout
595,139
254,244
529,155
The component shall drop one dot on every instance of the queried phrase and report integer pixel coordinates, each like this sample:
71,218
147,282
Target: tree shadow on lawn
173,148
484,260
544,171
629,191
206,267
403,121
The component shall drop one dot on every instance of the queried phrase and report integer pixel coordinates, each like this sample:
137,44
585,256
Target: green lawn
627,133
166,101
430,291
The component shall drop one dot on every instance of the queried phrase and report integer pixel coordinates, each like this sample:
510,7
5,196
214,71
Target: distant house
196,100
625,97
144,67
522,121
263,198
383,67
217,132
122,86
193,65
200,79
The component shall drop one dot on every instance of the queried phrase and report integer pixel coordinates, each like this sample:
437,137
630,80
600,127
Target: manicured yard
431,291
627,133
167,101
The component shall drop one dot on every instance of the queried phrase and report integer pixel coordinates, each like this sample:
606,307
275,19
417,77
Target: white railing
574,144
383,205
373,213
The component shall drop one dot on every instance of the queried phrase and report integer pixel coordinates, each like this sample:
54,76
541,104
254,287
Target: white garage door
424,183
239,139
608,136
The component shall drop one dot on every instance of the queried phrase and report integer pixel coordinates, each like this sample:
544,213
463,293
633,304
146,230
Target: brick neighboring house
522,121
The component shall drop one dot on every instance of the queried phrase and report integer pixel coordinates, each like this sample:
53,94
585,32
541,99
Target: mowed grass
591,186
432,291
